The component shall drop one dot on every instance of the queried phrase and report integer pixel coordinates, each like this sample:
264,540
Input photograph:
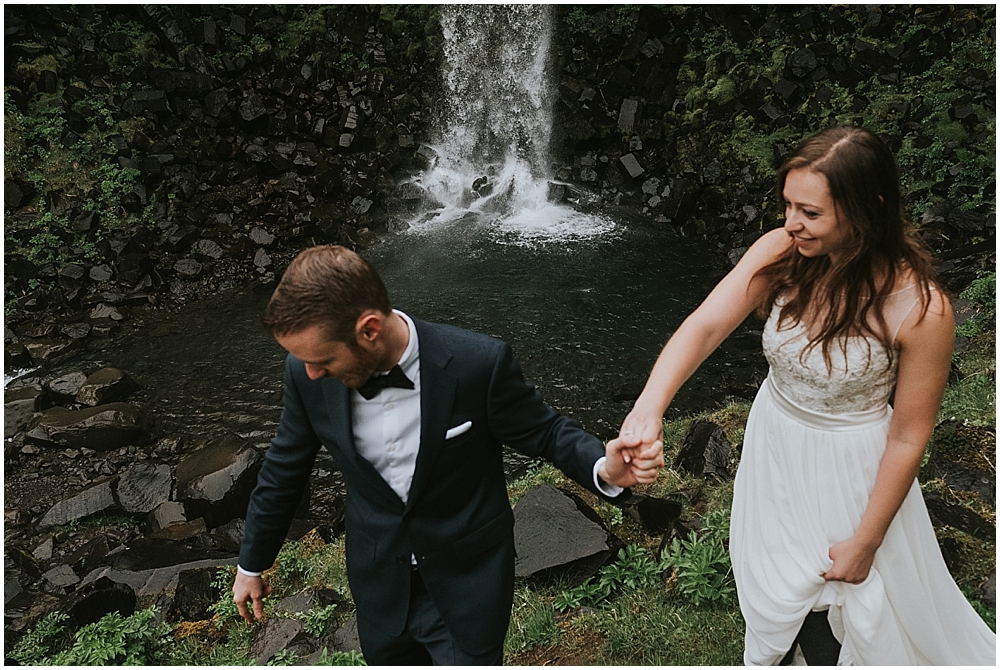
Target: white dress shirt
387,427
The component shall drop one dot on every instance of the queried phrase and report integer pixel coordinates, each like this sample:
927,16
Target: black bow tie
395,378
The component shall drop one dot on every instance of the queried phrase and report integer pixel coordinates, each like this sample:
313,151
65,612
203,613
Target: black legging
819,646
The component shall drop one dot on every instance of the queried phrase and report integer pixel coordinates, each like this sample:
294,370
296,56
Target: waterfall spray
492,153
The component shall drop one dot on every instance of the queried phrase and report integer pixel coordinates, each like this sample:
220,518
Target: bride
832,548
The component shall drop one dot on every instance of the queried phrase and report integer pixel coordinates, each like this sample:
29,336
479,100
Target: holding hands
636,455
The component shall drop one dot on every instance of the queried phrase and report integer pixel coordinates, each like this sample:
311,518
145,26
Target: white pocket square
457,430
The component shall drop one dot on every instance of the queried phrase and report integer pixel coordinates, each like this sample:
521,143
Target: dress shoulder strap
898,306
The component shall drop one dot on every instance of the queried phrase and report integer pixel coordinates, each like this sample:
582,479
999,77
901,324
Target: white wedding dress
811,451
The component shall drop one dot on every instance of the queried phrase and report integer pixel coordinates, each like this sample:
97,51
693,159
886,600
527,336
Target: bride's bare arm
924,360
729,303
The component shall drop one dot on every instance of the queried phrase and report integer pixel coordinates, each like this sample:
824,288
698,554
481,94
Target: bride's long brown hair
848,296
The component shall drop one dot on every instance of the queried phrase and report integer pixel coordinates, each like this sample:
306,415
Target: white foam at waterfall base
497,124
517,210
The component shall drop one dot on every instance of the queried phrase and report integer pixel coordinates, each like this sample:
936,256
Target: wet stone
194,595
68,385
146,101
89,553
61,576
626,115
43,552
91,603
657,515
104,386
360,205
276,635
229,535
215,482
96,498
75,331
103,311
188,267
144,488
165,514
631,165
208,248
19,405
150,565
261,259
182,531
261,237
252,107
215,102
552,530
50,350
101,428
704,450
802,62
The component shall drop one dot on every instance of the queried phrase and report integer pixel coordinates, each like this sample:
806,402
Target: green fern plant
341,658
701,562
36,645
634,569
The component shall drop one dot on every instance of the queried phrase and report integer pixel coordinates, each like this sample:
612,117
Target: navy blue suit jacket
457,520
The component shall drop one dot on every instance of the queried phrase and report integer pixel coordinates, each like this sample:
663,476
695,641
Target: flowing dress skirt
802,486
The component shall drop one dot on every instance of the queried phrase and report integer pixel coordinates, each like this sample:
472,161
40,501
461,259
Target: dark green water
586,318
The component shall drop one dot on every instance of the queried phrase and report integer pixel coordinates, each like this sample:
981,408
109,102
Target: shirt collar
411,355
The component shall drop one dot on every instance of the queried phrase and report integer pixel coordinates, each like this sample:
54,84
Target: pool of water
586,318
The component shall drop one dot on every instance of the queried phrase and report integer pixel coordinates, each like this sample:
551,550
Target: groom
415,414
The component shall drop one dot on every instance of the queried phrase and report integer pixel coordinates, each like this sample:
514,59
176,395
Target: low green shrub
341,658
114,640
701,561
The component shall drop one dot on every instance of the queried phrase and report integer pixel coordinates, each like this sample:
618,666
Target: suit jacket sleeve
283,479
519,417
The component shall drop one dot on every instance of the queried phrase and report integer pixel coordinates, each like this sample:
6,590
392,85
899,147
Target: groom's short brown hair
327,285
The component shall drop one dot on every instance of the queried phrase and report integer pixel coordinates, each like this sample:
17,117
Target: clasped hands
636,455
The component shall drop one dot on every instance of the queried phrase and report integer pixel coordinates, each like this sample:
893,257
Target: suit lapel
437,395
338,402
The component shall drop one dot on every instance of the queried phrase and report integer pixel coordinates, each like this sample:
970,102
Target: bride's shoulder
768,248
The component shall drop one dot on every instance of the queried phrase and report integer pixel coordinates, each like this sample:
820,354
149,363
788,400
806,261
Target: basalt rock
151,566
102,428
91,603
164,515
65,387
215,481
555,531
19,406
144,488
98,497
276,635
704,450
945,512
50,350
194,595
104,386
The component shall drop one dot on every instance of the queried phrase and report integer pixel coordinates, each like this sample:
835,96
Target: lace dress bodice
861,375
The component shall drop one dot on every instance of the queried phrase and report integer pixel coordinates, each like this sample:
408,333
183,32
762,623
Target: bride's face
811,215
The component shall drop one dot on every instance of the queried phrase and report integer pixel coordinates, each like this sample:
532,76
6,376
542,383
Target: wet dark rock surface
554,529
704,450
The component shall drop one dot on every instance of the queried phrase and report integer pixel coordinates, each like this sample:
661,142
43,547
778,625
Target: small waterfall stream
491,158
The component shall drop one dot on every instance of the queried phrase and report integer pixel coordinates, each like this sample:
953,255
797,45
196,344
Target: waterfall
491,156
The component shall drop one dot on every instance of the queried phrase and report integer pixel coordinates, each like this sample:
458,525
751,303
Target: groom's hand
627,467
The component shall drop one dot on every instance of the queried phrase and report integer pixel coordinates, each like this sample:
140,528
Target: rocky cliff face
688,111
157,153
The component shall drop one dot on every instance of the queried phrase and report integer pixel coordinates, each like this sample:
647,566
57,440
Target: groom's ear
368,327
